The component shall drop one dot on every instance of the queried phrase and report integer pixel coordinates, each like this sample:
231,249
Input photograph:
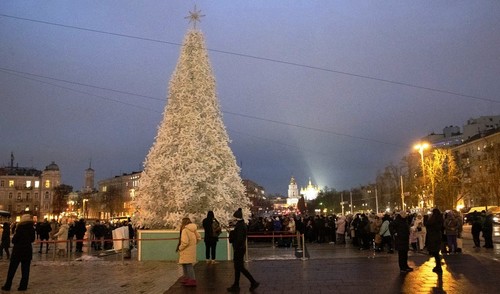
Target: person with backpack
385,233
212,229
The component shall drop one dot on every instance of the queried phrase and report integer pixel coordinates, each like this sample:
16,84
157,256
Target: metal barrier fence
125,251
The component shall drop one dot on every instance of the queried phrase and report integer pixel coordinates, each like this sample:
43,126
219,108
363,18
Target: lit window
37,184
104,188
47,183
28,184
11,183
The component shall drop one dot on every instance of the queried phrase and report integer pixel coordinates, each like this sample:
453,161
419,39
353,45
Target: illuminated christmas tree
190,168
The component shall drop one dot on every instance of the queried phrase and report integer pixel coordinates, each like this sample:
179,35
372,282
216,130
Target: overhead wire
20,74
400,83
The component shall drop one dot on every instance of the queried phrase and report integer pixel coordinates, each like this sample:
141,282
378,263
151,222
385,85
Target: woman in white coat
188,239
421,231
62,237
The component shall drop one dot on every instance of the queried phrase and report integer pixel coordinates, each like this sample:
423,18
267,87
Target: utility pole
402,195
350,196
376,199
342,202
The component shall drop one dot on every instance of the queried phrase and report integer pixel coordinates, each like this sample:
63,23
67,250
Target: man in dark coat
44,230
433,237
80,230
476,229
238,238
400,230
5,243
22,253
488,230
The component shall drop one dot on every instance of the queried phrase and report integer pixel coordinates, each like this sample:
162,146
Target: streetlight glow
421,147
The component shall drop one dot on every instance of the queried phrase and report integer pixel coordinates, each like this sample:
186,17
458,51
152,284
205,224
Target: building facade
479,163
293,193
310,191
28,190
115,196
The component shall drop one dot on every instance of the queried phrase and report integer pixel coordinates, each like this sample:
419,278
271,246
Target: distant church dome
53,166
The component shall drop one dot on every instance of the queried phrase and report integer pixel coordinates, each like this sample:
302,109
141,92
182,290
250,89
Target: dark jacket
434,226
208,228
239,237
44,230
80,229
22,240
477,224
401,233
6,235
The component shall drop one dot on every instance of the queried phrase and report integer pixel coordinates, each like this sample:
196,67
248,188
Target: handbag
378,239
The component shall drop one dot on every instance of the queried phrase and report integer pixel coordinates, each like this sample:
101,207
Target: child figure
413,238
186,247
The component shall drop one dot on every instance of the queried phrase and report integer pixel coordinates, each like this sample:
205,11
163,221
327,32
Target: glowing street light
85,207
421,147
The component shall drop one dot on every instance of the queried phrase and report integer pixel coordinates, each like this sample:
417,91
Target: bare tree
442,174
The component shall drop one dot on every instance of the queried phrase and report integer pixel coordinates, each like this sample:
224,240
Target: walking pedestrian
238,237
22,253
212,229
400,230
433,238
186,248
5,244
476,229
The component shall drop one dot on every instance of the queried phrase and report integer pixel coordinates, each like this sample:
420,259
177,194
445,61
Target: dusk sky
328,90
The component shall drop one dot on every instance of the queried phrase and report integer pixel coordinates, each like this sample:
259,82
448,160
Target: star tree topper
194,16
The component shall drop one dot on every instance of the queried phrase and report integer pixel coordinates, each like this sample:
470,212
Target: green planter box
161,244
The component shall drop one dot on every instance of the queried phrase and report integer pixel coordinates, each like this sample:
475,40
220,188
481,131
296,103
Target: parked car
493,209
496,215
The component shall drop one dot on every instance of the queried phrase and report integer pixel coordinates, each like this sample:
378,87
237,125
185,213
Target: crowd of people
371,230
60,234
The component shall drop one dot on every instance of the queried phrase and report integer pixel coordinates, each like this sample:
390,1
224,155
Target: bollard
303,247
123,252
246,249
54,251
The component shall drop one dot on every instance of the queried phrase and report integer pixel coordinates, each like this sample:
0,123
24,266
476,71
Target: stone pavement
342,269
330,269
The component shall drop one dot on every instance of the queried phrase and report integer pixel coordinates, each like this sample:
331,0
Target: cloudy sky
328,90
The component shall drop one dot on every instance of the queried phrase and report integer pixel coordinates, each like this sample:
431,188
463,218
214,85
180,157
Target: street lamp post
421,147
85,214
